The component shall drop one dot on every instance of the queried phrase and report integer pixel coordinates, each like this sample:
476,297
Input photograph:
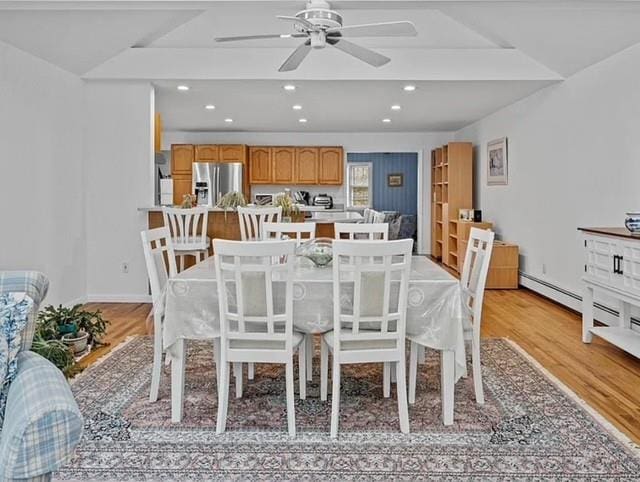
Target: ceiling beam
326,64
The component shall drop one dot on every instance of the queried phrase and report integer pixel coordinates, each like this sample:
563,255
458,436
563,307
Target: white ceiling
470,57
329,106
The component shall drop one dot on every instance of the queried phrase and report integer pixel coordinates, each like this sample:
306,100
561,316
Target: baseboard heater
570,294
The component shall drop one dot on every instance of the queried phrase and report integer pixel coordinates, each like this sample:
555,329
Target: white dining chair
252,218
378,218
188,229
256,318
301,232
160,260
362,231
367,216
369,322
472,285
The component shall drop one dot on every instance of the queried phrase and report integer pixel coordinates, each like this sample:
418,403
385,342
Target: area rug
530,427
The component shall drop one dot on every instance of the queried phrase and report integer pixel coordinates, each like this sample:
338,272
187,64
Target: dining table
435,314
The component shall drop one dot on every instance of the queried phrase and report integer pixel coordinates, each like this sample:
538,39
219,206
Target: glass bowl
318,250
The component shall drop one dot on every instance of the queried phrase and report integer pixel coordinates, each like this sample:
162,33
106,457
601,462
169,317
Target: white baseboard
603,314
78,301
123,298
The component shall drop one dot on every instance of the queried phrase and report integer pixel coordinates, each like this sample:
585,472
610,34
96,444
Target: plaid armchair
42,422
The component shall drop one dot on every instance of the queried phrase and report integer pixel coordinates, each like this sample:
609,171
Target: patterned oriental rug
531,428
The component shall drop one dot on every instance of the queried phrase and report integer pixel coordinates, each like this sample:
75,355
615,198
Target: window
359,185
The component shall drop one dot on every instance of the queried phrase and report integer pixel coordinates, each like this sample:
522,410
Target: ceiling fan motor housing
320,14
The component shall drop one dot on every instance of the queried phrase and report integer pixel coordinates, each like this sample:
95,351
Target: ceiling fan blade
364,54
296,58
385,29
258,37
300,21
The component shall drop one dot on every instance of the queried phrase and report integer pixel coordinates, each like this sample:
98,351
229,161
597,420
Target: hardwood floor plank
607,378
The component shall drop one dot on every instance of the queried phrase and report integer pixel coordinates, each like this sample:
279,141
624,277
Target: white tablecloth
434,312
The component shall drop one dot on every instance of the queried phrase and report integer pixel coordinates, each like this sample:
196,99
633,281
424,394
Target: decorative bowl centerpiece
632,222
318,250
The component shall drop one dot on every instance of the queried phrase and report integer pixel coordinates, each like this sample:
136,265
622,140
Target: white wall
574,160
41,171
118,156
422,143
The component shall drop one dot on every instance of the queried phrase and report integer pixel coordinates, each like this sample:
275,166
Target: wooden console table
612,266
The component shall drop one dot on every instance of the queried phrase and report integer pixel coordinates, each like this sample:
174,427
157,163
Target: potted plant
231,201
56,352
289,207
74,326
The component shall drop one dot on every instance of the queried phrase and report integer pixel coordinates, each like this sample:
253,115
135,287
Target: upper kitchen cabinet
331,165
306,165
283,164
232,153
260,165
182,157
207,153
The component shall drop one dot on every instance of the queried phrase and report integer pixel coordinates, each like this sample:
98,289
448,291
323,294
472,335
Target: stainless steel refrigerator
212,180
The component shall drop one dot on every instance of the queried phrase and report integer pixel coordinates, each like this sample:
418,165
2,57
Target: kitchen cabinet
207,153
260,163
306,165
331,165
157,133
283,159
181,185
182,156
232,153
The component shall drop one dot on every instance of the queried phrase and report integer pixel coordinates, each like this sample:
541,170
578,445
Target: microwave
263,199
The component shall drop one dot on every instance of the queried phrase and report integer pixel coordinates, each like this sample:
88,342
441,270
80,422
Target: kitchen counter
325,217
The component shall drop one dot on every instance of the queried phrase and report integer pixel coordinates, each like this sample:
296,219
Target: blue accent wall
403,199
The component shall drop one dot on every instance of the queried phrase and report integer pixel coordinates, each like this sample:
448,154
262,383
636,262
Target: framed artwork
395,180
497,162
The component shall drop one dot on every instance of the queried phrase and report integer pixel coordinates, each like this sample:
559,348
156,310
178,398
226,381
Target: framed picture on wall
395,180
497,162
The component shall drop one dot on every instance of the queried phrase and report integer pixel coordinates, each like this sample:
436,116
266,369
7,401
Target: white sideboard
612,266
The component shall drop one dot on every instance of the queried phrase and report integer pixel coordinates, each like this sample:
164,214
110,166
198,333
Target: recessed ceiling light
386,121
395,107
228,120
409,88
302,121
285,35
289,87
209,106
183,87
297,107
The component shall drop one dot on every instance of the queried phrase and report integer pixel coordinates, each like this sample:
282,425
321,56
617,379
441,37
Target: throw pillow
14,316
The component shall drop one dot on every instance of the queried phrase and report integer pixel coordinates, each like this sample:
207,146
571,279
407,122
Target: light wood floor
604,376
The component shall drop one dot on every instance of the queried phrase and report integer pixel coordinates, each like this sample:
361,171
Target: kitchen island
225,225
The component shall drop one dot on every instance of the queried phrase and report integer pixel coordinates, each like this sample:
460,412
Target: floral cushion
14,315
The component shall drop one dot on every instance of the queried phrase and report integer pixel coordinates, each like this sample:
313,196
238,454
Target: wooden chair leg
223,396
309,350
177,381
401,388
335,398
291,414
386,380
237,371
477,372
413,371
302,369
156,370
447,375
324,369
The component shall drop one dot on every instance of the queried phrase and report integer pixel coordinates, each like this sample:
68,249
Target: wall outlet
125,267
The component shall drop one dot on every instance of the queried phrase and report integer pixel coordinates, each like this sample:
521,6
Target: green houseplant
289,207
231,201
75,326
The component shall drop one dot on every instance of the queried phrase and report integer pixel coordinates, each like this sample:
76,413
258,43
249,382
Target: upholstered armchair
42,423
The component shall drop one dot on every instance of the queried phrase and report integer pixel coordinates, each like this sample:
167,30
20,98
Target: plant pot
67,328
77,343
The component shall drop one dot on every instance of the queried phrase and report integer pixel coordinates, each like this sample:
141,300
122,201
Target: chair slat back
371,231
188,227
475,270
252,218
378,217
368,215
299,231
160,260
255,290
366,277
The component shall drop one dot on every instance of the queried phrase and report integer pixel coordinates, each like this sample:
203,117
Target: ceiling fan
320,25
